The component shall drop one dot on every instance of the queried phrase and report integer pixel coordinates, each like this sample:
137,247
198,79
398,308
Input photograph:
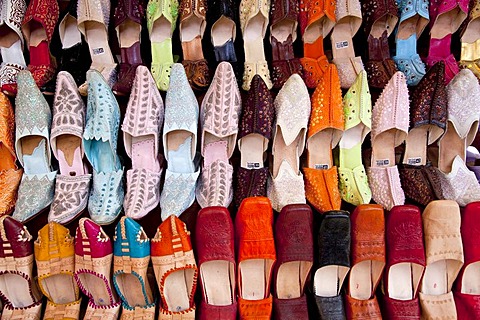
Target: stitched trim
161,284
99,275
144,290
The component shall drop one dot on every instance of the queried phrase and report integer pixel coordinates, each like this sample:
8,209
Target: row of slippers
418,256
219,116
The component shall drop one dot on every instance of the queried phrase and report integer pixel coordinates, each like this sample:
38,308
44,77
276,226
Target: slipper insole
283,29
192,50
37,33
16,289
416,146
363,277
410,26
161,30
180,152
450,146
381,25
252,148
69,155
400,281
7,36
328,280
129,33
191,28
471,279
35,155
229,140
97,287
7,160
143,153
215,151
447,22
289,153
291,279
254,276
471,33
71,34
350,154
342,44
218,281
102,158
162,52
60,288
177,289
97,39
320,150
13,53
131,289
435,279
253,39
222,31
383,149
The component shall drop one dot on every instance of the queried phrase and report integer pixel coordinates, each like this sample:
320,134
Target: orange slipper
324,132
256,257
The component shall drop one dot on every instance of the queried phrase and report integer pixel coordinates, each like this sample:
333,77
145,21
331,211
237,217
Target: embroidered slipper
292,108
73,182
444,252
10,174
161,22
357,106
254,16
333,264
32,144
389,129
256,257
175,269
428,121
100,142
405,262
141,140
128,19
219,116
368,261
470,51
93,264
324,132
18,288
55,258
349,19
179,145
11,43
131,256
255,133
93,20
317,19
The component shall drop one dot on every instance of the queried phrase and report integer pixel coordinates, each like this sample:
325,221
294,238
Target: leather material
440,51
421,183
440,7
128,9
14,235
380,67
225,52
127,243
318,14
250,183
255,309
313,70
198,73
331,308
401,309
130,60
438,306
321,189
95,312
91,240
211,312
32,312
284,63
227,8
374,10
467,305
284,10
334,239
362,309
287,309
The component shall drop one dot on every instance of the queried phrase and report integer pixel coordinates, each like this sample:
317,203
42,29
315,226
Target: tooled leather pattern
189,7
402,309
197,72
290,308
283,9
362,309
135,10
44,11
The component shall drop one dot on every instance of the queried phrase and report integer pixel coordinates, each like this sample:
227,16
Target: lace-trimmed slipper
55,258
357,106
131,256
470,51
294,247
458,183
11,43
319,19
349,19
405,262
389,129
256,257
141,130
160,15
18,288
93,264
444,252
428,118
292,108
255,132
333,264
100,142
73,182
179,145
93,20
324,132
32,144
219,116
10,174
175,269
254,17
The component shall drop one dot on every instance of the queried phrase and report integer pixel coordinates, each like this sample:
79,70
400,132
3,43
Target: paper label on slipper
253,165
383,162
414,161
322,166
341,44
97,51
